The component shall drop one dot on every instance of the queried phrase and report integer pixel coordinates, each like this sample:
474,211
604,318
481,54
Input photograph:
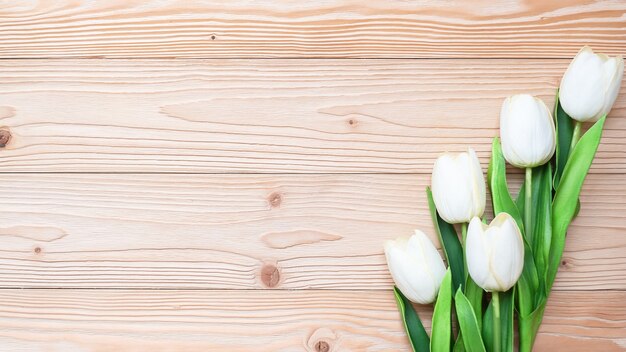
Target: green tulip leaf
529,325
565,200
420,342
564,130
468,324
449,240
474,295
529,282
442,315
564,134
541,236
496,176
507,330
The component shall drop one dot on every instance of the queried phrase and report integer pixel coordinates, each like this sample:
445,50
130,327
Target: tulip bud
458,187
416,267
590,85
495,253
527,131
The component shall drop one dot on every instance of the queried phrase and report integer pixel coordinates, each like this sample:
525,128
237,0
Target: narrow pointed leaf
503,202
474,295
564,130
540,238
442,316
450,242
500,196
528,327
566,197
420,342
468,324
506,322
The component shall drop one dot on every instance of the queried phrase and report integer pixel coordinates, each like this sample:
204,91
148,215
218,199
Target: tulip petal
584,86
477,253
527,131
458,187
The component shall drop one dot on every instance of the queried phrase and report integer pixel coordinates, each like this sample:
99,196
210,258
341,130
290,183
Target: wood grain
333,28
198,320
251,231
294,116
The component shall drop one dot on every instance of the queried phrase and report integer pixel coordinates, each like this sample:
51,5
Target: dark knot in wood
322,346
270,275
275,199
5,137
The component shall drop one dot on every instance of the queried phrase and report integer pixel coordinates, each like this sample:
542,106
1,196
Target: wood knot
275,199
213,37
322,340
353,122
567,264
322,346
270,276
37,250
5,137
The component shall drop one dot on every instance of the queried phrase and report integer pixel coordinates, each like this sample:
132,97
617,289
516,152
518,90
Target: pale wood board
265,320
220,231
331,28
166,187
268,116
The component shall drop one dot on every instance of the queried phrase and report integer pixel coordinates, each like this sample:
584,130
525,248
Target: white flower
458,187
527,131
416,267
495,253
590,85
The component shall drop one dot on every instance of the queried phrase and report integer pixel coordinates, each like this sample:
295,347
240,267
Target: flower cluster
515,257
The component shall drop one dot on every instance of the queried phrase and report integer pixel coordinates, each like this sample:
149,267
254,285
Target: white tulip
527,131
495,253
590,85
416,267
458,187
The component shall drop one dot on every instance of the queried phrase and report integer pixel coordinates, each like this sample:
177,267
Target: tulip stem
463,237
528,205
575,136
497,345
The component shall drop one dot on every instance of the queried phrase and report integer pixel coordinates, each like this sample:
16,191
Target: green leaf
507,333
450,242
458,344
474,295
500,196
564,134
442,315
412,324
566,197
564,130
503,202
540,238
529,325
468,324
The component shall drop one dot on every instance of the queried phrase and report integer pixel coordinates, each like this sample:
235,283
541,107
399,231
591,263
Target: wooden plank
333,28
264,320
329,116
251,231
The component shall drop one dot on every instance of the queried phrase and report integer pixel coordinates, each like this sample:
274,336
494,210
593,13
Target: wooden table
203,176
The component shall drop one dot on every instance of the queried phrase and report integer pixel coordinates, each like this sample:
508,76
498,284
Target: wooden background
221,175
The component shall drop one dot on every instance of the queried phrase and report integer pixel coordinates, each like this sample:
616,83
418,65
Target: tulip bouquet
504,270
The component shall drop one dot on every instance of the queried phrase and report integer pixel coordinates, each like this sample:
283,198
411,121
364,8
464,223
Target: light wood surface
195,175
331,28
226,231
269,116
263,320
